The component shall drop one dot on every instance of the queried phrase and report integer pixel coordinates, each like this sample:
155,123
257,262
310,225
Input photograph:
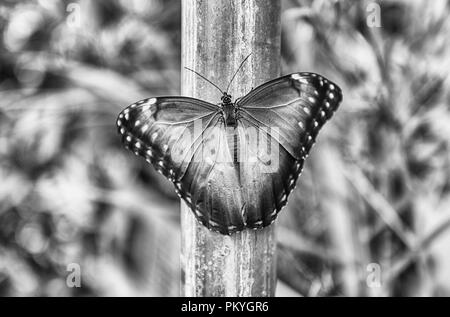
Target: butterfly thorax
228,110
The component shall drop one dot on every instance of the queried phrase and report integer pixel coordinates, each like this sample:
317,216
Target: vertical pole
216,36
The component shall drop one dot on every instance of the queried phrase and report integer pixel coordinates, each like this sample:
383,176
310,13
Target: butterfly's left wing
288,112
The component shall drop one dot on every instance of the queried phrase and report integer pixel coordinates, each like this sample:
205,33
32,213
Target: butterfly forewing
166,130
299,104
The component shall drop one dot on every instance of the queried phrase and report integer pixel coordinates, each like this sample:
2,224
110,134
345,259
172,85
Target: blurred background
371,214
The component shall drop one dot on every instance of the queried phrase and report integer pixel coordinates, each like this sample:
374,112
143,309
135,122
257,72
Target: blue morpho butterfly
234,163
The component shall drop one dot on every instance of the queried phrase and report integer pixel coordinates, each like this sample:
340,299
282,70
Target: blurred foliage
375,189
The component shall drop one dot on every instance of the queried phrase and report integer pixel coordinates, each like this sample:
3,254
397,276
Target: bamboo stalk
216,37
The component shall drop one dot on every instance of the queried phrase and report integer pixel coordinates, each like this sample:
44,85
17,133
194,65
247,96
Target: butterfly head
226,99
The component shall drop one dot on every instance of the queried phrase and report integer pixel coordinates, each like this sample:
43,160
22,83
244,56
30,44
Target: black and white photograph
213,149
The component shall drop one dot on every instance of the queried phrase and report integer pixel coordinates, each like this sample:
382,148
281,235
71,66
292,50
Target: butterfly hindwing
267,174
212,183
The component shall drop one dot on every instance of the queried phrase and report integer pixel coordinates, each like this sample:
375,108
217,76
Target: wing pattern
233,177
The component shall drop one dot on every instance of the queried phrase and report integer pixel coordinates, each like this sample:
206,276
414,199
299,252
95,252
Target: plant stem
216,36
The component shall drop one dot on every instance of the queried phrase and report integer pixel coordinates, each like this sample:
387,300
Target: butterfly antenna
204,78
240,66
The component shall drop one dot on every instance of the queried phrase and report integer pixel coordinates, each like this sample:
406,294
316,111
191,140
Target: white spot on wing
292,182
144,128
152,101
312,99
299,78
137,123
306,110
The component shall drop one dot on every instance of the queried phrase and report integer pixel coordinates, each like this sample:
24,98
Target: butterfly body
229,110
234,163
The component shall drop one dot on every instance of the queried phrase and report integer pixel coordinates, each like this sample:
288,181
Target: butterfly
233,163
